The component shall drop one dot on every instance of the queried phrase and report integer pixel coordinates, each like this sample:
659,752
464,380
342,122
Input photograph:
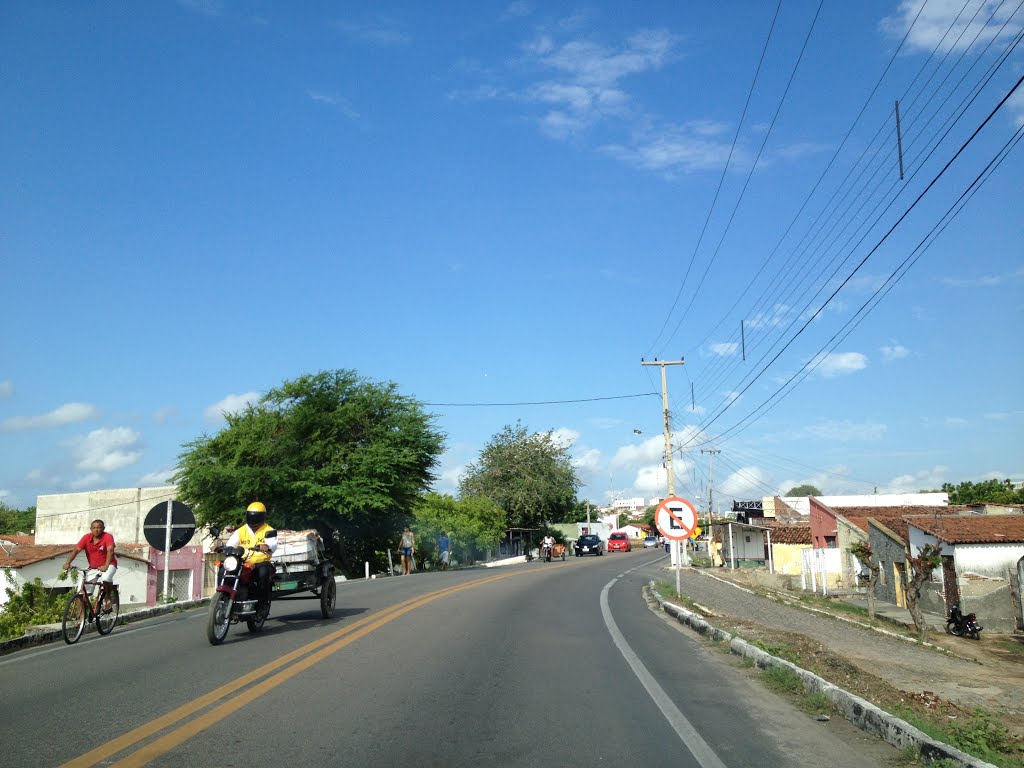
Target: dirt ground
988,666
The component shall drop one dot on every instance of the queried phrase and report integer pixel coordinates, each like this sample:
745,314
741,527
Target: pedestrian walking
443,543
407,548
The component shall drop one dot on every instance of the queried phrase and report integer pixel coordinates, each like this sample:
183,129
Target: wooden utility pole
710,532
668,425
668,437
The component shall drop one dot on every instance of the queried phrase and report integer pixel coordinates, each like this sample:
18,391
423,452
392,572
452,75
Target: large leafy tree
331,451
991,491
530,476
14,521
803,490
473,524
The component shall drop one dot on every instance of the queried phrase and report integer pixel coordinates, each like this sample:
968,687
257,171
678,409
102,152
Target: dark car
588,544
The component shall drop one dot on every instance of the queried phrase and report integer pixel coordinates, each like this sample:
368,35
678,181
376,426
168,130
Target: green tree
530,476
991,491
803,490
331,451
474,524
13,521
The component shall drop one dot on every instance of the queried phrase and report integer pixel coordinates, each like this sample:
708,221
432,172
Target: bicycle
81,608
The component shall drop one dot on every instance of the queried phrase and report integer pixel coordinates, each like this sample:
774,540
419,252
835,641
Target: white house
22,563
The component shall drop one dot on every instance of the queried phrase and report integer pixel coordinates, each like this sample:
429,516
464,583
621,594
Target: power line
539,402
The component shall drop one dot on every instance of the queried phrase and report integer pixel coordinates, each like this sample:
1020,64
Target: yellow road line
334,642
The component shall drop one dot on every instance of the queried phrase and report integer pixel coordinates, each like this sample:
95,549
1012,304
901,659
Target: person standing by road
407,548
99,551
443,543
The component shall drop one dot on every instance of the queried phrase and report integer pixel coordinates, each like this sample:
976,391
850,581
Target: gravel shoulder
951,677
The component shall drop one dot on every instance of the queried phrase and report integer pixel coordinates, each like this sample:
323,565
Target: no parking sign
675,518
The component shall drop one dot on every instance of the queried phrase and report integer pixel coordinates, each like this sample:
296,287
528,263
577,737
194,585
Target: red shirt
96,551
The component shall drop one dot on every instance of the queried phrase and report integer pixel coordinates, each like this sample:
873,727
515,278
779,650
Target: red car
619,542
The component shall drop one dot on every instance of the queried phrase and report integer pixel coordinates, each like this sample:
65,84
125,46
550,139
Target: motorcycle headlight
230,563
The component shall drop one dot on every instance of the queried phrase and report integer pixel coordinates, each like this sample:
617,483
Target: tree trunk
914,606
872,580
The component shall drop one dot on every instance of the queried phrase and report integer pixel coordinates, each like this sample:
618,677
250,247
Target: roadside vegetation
977,732
31,605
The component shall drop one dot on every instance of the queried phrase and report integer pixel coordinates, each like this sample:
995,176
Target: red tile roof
989,529
26,554
18,538
789,533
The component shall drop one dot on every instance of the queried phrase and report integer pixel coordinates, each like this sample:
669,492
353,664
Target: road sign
676,518
183,525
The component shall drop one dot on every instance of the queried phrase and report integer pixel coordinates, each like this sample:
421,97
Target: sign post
676,519
169,527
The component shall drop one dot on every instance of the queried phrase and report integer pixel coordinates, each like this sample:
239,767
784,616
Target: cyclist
257,534
99,551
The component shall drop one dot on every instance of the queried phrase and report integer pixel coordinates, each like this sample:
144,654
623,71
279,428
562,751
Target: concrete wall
887,551
987,559
63,518
787,558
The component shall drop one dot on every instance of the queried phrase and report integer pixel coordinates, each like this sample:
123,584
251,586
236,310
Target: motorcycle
231,601
546,553
963,626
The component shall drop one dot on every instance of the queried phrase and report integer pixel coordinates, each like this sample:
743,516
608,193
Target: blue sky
512,203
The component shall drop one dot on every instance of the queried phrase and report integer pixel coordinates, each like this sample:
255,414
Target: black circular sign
183,525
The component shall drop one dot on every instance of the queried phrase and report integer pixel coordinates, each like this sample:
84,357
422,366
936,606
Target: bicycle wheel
74,619
105,620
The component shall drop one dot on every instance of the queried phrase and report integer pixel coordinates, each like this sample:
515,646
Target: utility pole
668,444
711,457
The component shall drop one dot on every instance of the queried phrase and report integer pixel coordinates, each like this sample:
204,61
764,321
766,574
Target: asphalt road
557,663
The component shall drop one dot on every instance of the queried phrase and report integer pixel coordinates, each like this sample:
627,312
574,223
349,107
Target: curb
48,633
862,713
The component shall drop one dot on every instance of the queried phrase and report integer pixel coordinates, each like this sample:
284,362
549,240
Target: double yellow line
303,658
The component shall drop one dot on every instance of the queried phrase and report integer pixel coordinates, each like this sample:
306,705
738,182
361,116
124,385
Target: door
950,587
899,583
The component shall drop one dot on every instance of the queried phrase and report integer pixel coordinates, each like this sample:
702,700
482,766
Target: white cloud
336,100
773,318
894,351
835,364
162,415
159,477
725,349
913,483
843,431
564,436
106,450
381,31
651,481
91,481
4,494
983,281
629,456
949,24
745,483
6,388
205,7
588,464
230,404
516,10
956,421
69,413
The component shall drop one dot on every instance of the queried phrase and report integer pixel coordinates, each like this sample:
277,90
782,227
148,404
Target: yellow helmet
256,515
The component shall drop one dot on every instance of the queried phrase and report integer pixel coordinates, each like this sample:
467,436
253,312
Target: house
63,518
982,565
22,563
789,541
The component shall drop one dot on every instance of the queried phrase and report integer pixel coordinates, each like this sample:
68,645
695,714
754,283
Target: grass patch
778,649
816,703
668,591
979,734
782,680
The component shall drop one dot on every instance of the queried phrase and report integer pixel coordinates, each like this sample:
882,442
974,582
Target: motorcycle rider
546,544
258,535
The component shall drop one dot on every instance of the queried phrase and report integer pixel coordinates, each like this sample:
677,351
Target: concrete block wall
63,518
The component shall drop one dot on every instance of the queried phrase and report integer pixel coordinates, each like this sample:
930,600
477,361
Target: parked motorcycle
235,597
963,626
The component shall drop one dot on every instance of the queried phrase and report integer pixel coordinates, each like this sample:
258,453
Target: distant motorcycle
963,626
